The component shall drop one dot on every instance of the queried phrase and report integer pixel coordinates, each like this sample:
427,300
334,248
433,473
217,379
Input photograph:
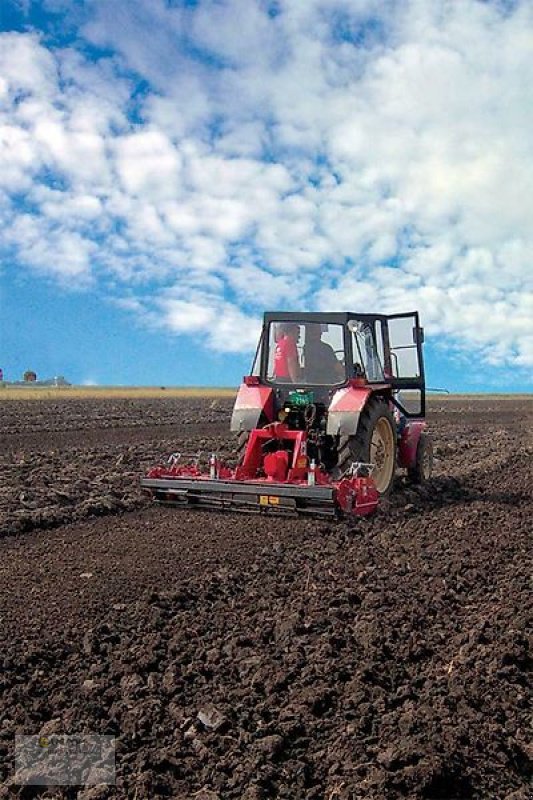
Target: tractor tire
423,468
374,443
241,440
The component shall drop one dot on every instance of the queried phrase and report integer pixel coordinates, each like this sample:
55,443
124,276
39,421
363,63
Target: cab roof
331,317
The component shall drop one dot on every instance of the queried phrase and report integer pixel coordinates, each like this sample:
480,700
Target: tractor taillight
251,380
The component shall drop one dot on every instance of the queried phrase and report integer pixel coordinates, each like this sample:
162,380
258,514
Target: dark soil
242,657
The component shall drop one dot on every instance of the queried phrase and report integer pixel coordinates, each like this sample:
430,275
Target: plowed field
237,656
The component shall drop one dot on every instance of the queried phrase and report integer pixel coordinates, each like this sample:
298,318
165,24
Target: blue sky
169,170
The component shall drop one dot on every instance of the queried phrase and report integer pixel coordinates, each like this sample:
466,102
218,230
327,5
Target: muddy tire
423,468
374,443
241,440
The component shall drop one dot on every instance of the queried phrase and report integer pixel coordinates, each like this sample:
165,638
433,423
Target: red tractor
334,403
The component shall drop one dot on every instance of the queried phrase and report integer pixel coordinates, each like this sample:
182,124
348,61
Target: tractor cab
326,351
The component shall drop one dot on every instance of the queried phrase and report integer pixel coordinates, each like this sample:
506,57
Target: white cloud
337,154
17,158
53,250
148,165
217,324
26,67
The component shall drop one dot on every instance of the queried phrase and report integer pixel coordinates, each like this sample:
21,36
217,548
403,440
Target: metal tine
175,457
214,503
356,466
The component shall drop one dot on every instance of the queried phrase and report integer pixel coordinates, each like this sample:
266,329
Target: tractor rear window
306,353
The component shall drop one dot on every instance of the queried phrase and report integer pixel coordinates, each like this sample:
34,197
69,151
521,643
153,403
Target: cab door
404,362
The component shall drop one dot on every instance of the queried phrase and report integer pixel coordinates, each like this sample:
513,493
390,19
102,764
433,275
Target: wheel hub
382,453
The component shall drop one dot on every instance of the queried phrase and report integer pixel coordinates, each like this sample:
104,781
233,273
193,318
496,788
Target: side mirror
354,326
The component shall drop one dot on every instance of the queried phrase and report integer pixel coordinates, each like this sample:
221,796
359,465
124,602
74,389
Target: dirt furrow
242,657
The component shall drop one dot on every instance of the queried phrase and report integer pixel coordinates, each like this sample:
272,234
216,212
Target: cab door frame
408,382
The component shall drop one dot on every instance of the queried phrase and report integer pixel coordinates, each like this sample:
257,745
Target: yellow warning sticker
268,500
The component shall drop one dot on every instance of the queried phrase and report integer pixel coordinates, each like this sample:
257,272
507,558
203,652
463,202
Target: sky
171,169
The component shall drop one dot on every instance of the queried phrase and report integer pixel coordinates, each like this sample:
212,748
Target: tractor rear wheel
241,440
374,443
421,472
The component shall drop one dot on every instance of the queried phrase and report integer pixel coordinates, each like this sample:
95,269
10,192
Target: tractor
334,404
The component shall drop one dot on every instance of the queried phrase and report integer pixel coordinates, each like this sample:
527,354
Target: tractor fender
409,442
250,403
345,408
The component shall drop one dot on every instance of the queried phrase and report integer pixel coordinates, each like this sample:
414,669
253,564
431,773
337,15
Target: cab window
315,352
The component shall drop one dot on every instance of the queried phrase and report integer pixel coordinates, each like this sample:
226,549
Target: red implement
276,475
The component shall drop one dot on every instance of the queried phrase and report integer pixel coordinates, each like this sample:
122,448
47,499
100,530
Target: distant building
30,380
59,380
